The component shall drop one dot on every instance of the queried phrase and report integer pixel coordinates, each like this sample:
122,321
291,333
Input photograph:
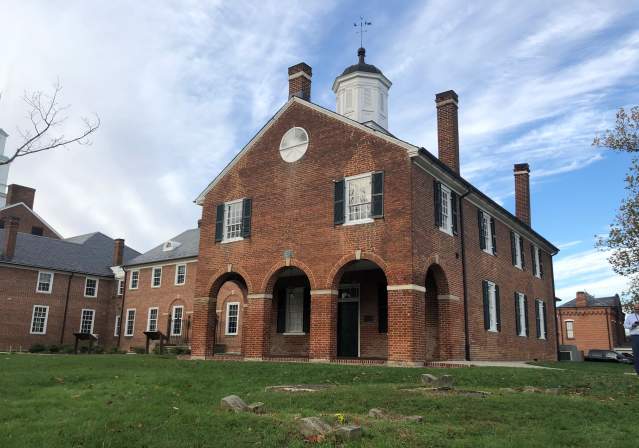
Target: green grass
127,401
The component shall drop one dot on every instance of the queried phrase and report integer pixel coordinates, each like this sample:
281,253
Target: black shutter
382,308
513,249
521,251
454,213
532,259
537,318
377,196
541,264
484,285
306,311
493,234
219,223
543,308
517,315
482,230
497,308
281,310
246,217
339,203
526,314
437,192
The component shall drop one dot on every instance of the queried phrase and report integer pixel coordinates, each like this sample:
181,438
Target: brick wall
593,327
27,220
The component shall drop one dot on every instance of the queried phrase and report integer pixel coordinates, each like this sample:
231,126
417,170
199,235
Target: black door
347,329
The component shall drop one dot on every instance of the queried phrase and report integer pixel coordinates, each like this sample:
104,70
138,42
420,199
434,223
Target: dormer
170,245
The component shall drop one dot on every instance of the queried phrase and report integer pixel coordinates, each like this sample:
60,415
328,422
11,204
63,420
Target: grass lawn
135,401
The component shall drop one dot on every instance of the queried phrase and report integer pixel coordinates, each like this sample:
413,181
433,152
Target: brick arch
439,276
271,277
222,276
337,270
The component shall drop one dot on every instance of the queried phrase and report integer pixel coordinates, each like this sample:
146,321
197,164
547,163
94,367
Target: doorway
348,321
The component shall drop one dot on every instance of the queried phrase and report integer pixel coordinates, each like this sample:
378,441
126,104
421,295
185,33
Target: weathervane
362,29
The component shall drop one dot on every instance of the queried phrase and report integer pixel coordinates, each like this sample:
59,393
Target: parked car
609,356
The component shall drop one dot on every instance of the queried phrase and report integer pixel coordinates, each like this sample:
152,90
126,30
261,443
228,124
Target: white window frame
492,306
129,319
518,254
135,284
173,332
46,319
347,219
227,332
116,328
227,205
537,261
82,320
447,208
153,269
120,291
488,241
521,304
148,318
177,270
50,289
97,283
288,325
570,334
542,324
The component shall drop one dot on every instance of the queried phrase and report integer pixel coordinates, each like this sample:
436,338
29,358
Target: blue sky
181,86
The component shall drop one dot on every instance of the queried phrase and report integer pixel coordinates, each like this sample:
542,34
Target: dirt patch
295,388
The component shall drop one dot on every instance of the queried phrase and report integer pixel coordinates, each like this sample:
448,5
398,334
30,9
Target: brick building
591,322
19,204
327,238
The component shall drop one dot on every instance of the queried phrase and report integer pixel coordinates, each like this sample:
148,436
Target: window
368,98
152,322
156,277
135,279
294,144
86,321
116,330
45,282
180,274
487,237
570,329
120,287
492,320
38,231
521,314
233,221
540,311
538,267
39,319
517,250
90,287
294,310
445,208
232,313
358,199
349,100
176,323
130,322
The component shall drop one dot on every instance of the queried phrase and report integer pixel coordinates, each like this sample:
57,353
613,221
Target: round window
293,144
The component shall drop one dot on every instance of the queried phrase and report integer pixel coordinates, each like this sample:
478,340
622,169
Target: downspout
554,305
126,273
610,344
464,282
66,308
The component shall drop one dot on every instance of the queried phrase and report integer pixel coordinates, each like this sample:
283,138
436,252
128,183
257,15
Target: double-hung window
538,267
492,318
116,329
487,235
232,314
176,322
130,322
39,319
233,221
156,277
86,321
135,279
521,314
120,287
295,310
517,250
152,321
540,312
445,208
90,287
570,329
180,274
45,282
358,199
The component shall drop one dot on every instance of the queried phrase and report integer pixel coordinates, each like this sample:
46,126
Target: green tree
623,238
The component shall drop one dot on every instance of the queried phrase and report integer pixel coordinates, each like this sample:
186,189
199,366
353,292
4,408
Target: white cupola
362,93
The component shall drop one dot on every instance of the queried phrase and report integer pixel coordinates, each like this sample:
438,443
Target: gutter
66,308
554,309
126,274
464,280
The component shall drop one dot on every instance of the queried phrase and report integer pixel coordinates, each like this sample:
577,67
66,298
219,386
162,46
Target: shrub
98,349
139,350
66,349
37,348
54,349
116,351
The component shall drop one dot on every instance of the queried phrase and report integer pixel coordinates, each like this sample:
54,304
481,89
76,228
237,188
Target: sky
181,86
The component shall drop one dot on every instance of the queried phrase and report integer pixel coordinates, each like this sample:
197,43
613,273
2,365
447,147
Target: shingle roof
189,245
612,301
86,254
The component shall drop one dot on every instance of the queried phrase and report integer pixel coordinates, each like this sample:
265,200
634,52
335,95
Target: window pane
181,274
135,275
130,321
38,322
176,329
359,198
44,281
233,216
90,287
294,311
86,323
157,276
153,320
445,199
231,318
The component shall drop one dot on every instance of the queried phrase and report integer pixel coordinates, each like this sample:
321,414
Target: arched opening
228,296
362,311
436,287
289,334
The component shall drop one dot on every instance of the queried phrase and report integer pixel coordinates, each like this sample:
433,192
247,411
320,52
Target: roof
86,254
361,66
33,213
188,247
612,301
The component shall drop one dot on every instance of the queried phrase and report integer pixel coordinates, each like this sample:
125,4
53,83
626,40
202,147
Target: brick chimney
582,298
522,192
299,81
18,193
448,129
10,236
118,251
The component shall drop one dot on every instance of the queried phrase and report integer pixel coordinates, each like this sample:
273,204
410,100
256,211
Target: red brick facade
29,221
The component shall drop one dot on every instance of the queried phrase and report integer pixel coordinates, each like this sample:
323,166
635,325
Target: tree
46,114
623,237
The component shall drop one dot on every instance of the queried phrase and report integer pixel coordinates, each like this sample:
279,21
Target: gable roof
612,301
189,246
86,254
34,214
429,162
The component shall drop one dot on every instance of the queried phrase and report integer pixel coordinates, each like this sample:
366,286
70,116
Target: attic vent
170,245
